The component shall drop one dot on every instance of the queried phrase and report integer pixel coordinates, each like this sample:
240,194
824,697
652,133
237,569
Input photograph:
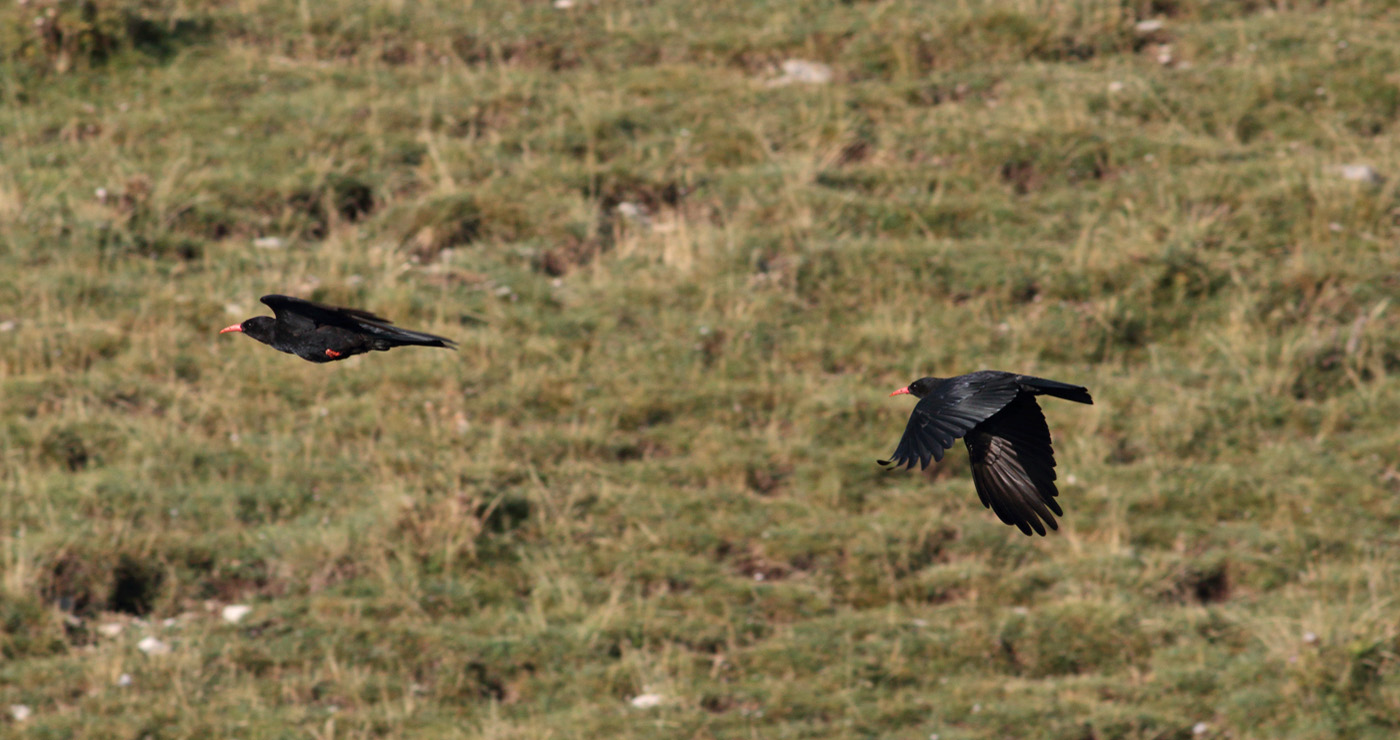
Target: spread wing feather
943,416
1013,467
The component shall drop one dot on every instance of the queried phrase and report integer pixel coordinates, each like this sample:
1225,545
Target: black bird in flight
320,333
1007,440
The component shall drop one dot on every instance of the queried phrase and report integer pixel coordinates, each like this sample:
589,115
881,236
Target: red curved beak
901,391
235,327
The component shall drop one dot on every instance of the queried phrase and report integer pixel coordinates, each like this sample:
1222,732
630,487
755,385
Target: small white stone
803,71
234,613
1071,479
1200,728
976,708
8,325
919,622
152,646
563,4
20,712
1164,55
1020,610
101,194
758,576
1360,173
1116,86
1335,227
1310,638
110,629
646,701
1149,26
124,679
631,211
269,242
171,621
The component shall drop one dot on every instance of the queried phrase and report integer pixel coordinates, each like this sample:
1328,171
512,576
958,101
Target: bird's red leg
332,354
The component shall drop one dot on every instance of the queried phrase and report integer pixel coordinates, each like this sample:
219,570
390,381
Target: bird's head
918,388
258,327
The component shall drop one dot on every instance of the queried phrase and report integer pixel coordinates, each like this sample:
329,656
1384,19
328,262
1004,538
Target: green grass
650,468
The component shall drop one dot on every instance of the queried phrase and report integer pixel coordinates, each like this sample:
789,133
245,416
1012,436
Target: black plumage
1008,442
320,333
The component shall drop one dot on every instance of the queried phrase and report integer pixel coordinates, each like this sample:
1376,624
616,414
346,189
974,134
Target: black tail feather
421,339
1076,393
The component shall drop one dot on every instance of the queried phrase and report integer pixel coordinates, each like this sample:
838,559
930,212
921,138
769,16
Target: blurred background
688,248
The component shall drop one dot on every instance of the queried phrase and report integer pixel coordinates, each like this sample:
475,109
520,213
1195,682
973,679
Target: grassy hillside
683,290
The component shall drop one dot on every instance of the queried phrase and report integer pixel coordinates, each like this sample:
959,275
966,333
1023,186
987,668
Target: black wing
946,414
1014,467
306,315
303,316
